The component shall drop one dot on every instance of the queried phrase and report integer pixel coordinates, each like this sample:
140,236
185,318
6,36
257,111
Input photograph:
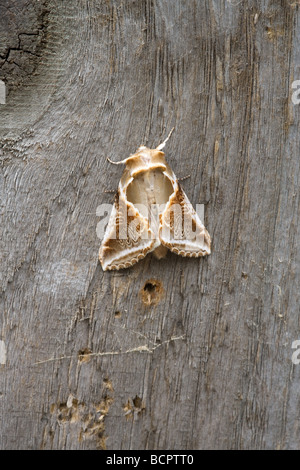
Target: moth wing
181,230
128,237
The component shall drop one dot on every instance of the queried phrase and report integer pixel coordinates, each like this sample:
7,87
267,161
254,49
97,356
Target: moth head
145,159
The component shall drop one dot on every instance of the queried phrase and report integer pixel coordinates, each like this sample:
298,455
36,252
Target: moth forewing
127,238
181,231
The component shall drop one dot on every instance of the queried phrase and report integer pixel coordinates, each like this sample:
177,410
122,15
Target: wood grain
88,364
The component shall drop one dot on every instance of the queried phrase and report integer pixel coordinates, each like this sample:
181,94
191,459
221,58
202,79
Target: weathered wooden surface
89,365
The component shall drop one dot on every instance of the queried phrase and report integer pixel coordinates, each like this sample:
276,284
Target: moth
151,213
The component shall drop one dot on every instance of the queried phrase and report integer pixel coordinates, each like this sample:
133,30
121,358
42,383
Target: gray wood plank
87,364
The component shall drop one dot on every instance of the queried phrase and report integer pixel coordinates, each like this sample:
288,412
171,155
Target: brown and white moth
151,213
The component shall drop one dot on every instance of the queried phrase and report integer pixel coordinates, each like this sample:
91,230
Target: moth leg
184,178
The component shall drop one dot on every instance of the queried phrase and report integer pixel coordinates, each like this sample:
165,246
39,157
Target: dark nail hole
149,287
84,355
152,292
137,401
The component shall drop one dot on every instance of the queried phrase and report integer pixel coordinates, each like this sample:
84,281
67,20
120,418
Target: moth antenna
121,162
161,146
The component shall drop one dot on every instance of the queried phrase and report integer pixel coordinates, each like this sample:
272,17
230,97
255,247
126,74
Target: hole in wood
84,355
152,292
134,407
149,287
